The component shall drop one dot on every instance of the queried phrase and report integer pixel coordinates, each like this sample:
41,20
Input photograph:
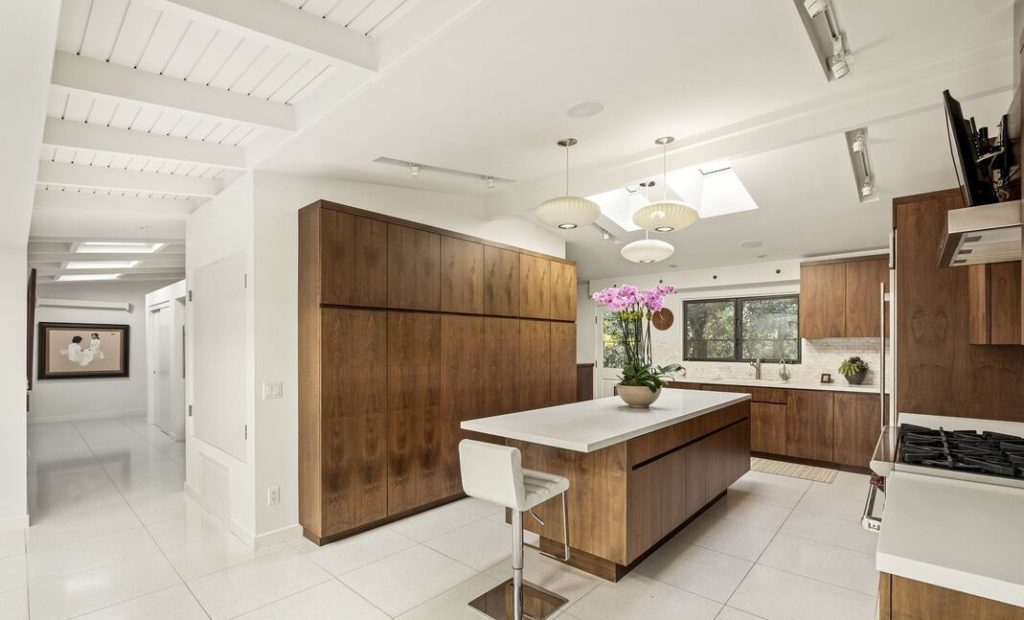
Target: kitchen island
637,476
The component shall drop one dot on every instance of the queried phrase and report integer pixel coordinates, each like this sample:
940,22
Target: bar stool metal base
538,603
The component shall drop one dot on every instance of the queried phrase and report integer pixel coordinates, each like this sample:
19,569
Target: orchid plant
633,309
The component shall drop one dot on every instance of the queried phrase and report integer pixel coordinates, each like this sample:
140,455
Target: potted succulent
854,369
641,380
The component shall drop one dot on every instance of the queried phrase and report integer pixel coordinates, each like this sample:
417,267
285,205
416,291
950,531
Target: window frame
737,353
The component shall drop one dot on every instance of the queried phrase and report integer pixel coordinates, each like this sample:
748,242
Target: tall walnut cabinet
405,331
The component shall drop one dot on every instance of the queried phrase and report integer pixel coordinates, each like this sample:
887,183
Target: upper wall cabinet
840,299
414,268
462,276
995,303
353,259
501,281
563,291
535,287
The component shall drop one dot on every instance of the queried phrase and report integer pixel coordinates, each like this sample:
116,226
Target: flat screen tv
973,177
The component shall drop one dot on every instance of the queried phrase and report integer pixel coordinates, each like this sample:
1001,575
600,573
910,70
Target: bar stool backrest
492,473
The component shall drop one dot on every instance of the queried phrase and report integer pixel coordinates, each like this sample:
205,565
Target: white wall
80,399
277,201
28,36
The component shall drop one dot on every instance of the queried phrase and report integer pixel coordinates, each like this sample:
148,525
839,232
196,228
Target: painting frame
47,361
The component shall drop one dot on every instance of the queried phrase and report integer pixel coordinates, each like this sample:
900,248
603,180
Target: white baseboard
280,535
13,524
232,527
50,419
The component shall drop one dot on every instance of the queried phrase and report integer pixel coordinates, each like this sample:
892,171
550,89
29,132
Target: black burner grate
983,452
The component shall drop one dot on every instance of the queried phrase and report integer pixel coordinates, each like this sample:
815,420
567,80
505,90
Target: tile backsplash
818,356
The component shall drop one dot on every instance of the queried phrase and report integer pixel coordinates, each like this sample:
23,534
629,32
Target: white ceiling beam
78,73
53,271
275,23
76,175
104,139
55,199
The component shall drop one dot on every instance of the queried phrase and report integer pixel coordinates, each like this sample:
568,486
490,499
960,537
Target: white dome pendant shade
667,215
647,251
567,212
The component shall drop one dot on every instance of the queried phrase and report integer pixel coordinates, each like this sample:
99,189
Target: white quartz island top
591,425
960,535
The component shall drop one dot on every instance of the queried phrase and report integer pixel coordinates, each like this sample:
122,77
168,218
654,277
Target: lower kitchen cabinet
563,363
810,425
858,424
768,428
906,599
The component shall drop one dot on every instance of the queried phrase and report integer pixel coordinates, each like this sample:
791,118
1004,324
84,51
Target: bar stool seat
494,473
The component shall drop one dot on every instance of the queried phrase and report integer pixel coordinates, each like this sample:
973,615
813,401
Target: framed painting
82,350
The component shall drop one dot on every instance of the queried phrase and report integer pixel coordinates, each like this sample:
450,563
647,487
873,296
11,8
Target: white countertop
590,425
839,386
964,536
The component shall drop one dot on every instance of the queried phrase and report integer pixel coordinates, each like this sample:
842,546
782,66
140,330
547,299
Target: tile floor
115,538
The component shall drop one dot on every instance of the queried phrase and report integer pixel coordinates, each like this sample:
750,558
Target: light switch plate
273,496
272,390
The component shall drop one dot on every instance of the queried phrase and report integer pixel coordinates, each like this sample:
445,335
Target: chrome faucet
783,370
757,368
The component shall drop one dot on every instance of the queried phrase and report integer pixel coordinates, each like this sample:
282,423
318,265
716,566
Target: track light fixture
490,182
857,140
836,57
414,170
838,63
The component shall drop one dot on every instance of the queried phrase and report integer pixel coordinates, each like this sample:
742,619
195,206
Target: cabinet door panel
414,268
534,287
768,428
501,282
462,276
462,366
857,427
534,365
809,425
563,363
501,366
353,260
696,489
823,301
563,291
354,419
417,434
862,296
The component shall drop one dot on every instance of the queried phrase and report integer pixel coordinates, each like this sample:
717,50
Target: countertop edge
780,385
950,578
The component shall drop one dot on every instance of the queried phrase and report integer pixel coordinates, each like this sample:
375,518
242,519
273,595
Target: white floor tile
729,613
479,507
637,597
101,587
549,574
327,601
838,502
454,604
194,527
750,511
479,545
760,487
85,526
433,523
348,554
56,562
13,574
406,579
823,528
14,605
239,589
195,559
12,543
175,602
708,573
835,565
778,595
730,537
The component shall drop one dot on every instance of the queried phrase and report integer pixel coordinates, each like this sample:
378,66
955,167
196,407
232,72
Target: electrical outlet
273,496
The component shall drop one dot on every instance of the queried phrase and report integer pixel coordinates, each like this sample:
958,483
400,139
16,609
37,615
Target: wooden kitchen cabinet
823,300
995,303
501,282
534,365
534,287
501,366
418,438
857,420
353,260
810,425
462,276
906,599
696,488
768,428
414,268
863,296
563,363
563,291
462,366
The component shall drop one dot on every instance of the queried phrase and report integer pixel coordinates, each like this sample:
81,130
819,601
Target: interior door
609,354
163,363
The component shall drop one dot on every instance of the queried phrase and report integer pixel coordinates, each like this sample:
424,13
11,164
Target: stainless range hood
983,234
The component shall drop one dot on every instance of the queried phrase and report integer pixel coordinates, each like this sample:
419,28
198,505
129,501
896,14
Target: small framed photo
82,351
826,377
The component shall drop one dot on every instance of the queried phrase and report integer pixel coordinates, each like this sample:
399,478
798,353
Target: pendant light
647,251
667,215
568,212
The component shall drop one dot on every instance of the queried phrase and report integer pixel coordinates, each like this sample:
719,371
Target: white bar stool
495,474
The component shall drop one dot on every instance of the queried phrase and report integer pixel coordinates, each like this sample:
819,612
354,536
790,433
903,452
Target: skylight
102,264
88,277
713,188
119,247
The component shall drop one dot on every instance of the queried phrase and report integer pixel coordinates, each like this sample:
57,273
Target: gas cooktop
964,451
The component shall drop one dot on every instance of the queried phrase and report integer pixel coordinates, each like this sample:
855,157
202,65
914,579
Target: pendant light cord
567,169
664,172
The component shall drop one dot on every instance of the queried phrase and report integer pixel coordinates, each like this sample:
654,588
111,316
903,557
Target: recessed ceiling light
567,226
88,277
102,264
585,109
750,244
